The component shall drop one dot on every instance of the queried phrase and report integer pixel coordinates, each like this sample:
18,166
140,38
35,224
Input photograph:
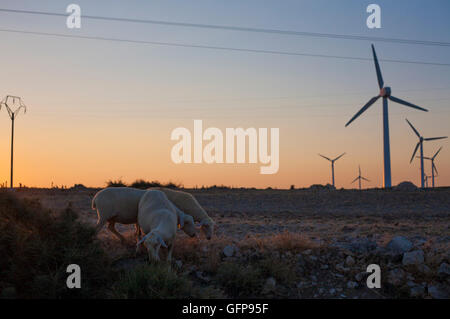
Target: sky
101,110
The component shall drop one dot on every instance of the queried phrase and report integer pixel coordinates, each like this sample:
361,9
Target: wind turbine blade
377,67
414,129
414,153
325,157
339,157
435,138
434,156
427,158
363,109
365,179
435,169
355,179
359,169
397,100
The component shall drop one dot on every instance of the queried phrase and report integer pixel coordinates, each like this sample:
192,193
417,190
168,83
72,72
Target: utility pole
13,102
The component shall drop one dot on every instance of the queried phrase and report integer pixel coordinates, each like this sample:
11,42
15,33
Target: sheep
120,205
157,217
190,205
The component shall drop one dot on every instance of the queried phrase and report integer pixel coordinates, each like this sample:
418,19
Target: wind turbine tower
359,178
433,166
420,144
332,165
385,93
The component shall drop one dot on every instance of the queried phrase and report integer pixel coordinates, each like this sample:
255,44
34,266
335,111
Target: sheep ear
161,241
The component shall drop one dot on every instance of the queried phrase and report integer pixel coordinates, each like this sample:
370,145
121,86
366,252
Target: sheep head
207,228
187,224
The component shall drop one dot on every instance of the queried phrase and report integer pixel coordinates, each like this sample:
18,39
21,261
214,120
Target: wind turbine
360,178
420,143
385,93
332,164
433,167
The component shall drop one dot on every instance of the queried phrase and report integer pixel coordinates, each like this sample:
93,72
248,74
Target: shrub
37,246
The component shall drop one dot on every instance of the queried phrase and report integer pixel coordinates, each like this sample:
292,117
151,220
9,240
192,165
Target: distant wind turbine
420,143
332,164
360,178
385,93
433,166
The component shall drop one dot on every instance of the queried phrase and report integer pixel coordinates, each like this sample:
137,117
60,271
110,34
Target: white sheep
188,204
120,205
157,217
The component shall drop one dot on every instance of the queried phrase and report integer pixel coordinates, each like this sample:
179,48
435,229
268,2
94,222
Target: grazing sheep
117,205
190,205
120,205
158,219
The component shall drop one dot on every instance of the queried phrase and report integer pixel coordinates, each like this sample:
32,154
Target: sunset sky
100,110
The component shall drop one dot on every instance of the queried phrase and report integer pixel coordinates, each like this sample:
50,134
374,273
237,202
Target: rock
396,276
307,251
406,187
313,278
424,269
200,276
340,267
416,290
415,257
361,276
352,284
400,245
438,292
444,270
179,264
270,285
229,250
313,258
332,291
349,261
300,260
324,267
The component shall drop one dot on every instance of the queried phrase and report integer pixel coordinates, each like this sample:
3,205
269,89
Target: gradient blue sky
100,110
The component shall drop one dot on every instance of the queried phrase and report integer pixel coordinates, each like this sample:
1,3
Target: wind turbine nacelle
385,92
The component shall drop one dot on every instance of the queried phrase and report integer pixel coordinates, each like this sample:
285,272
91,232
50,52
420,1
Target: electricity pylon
13,104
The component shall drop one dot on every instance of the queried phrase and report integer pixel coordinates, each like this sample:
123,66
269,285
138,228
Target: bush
240,281
158,281
37,246
116,183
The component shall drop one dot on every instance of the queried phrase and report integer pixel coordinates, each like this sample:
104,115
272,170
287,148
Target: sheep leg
112,229
138,232
100,223
169,254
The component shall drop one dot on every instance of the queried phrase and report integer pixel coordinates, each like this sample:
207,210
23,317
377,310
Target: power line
187,45
244,29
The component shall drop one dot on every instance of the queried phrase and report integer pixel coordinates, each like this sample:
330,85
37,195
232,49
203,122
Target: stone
349,261
229,250
416,290
270,285
179,264
444,270
396,276
437,292
324,267
361,276
400,245
415,257
340,267
352,284
332,291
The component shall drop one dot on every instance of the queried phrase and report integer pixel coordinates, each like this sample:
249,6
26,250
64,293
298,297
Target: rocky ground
311,243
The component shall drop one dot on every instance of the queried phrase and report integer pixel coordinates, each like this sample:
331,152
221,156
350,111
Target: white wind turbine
332,165
360,178
385,93
420,143
433,166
